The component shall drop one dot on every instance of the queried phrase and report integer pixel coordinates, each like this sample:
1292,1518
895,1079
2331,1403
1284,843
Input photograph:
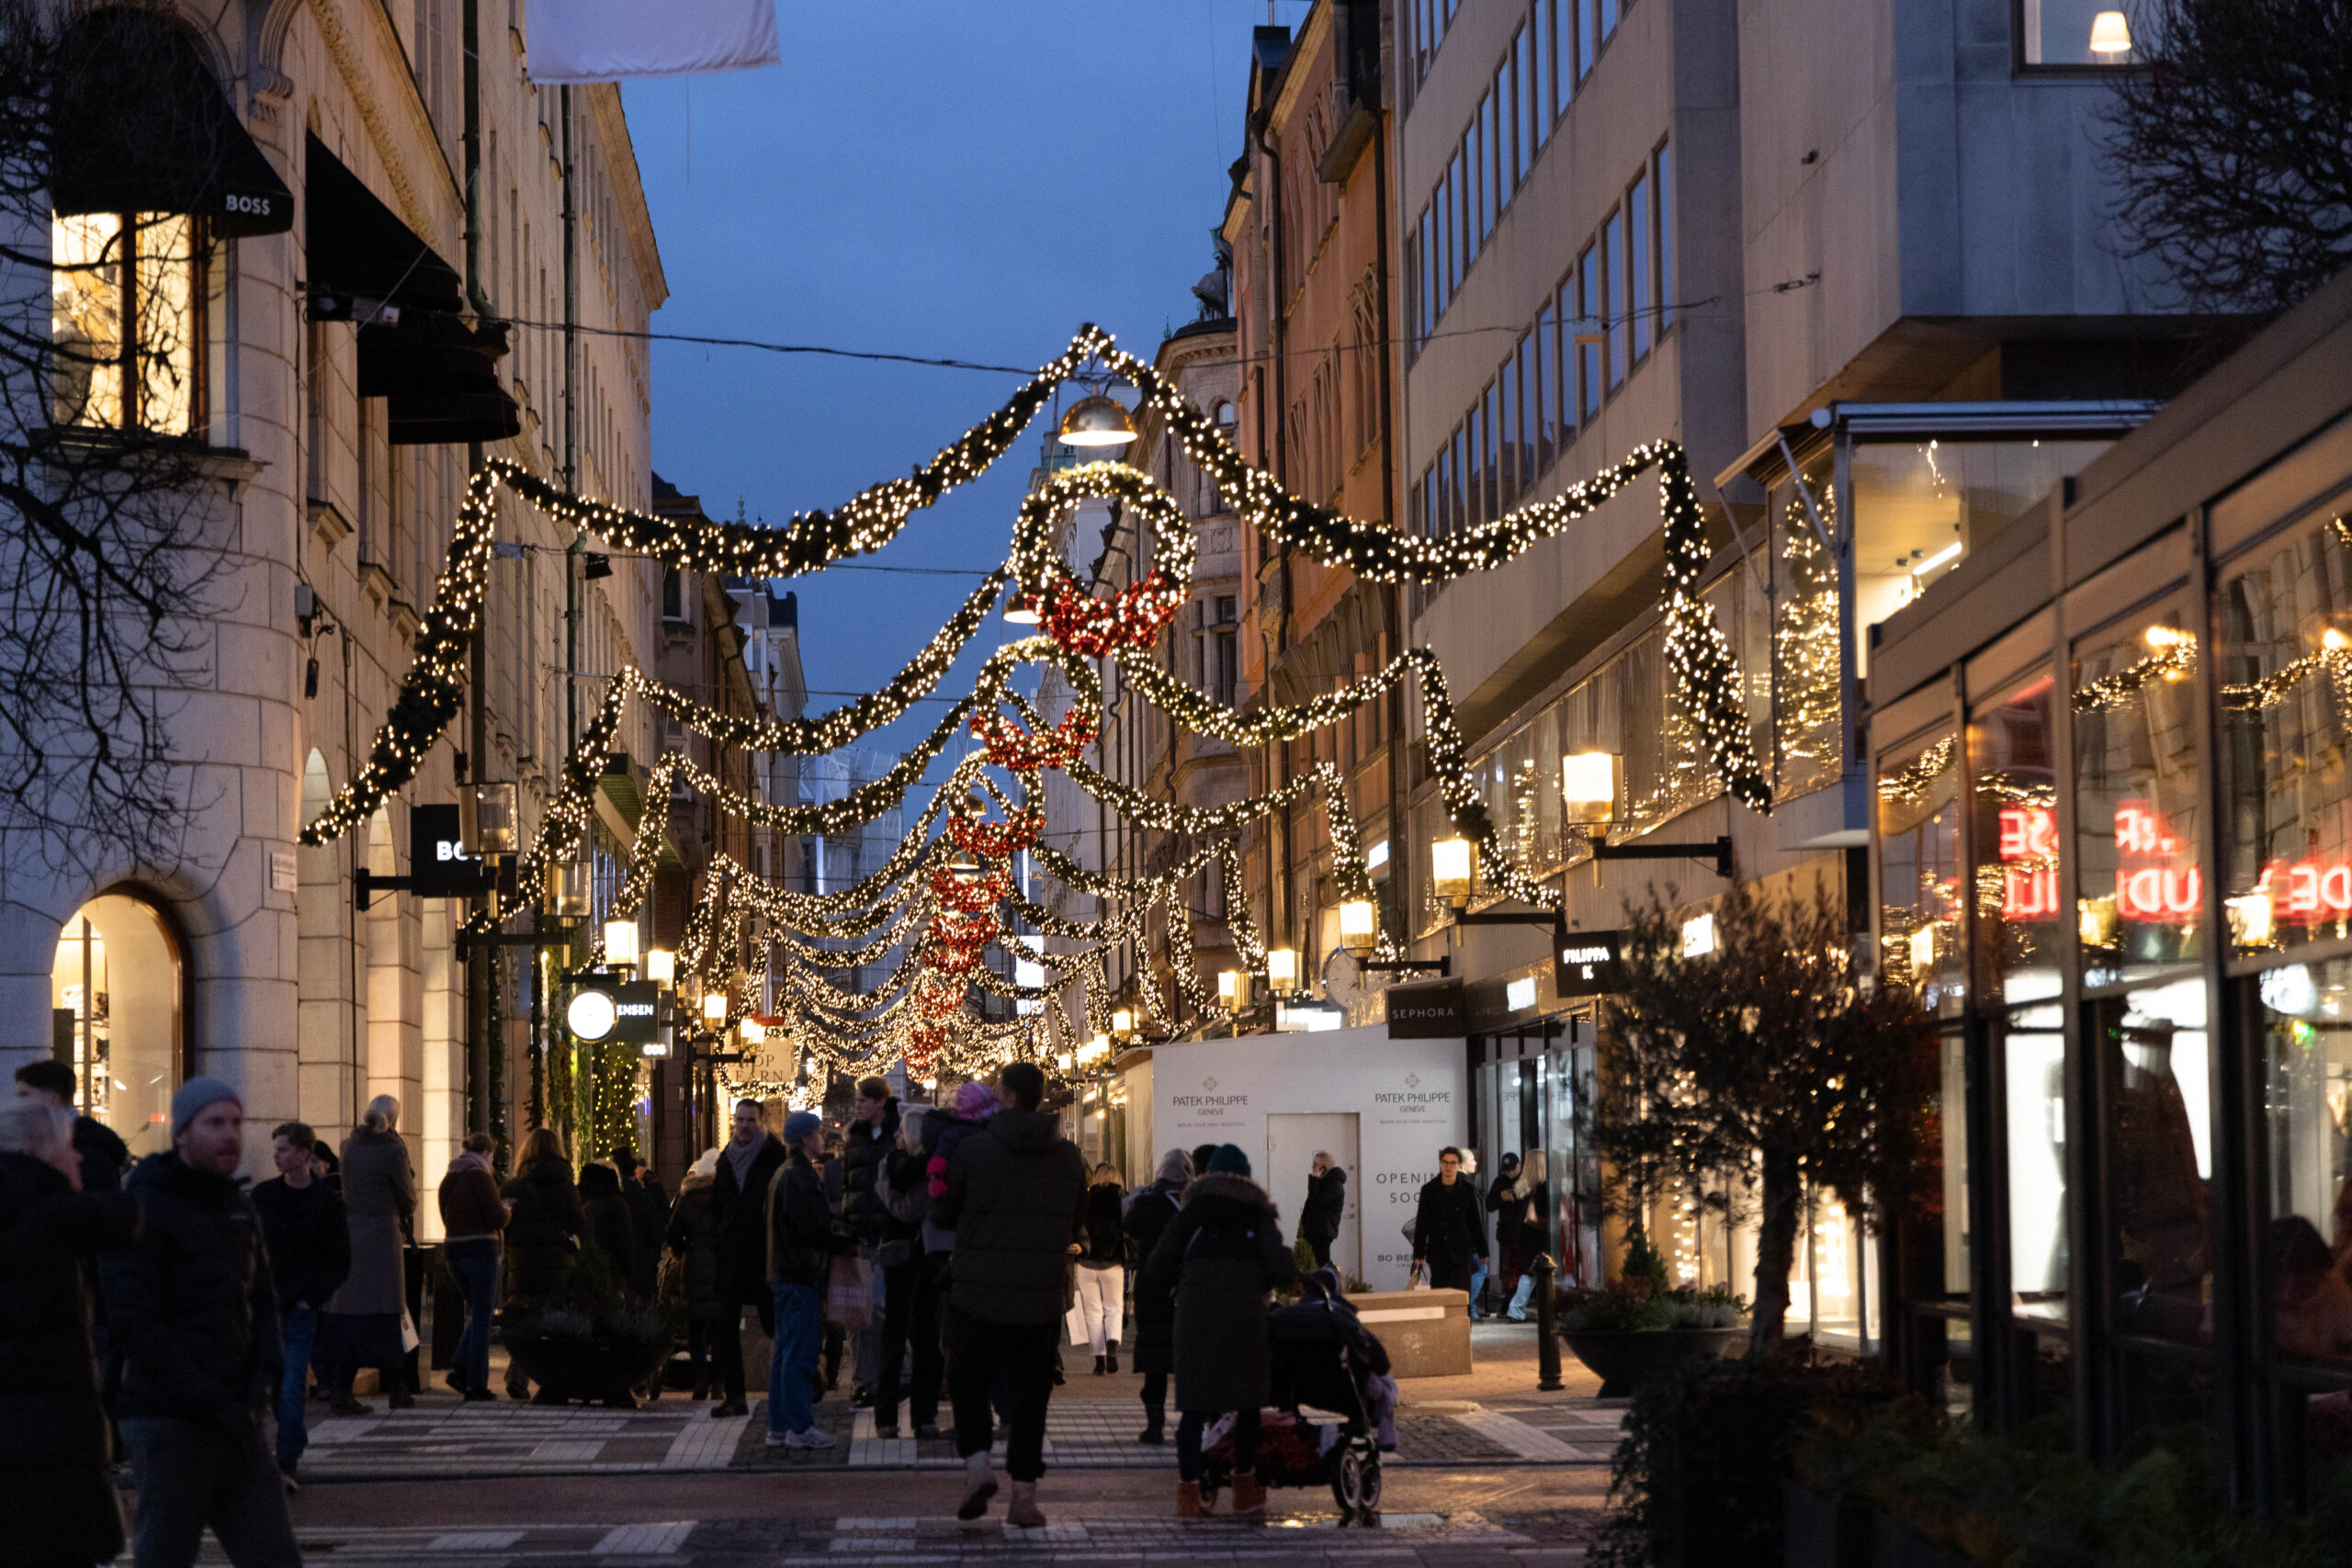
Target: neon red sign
2309,890
2029,892
2161,893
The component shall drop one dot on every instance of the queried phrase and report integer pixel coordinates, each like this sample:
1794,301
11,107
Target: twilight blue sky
923,177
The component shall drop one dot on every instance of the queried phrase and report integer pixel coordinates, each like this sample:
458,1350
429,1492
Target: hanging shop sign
1431,1010
629,1011
1584,963
439,866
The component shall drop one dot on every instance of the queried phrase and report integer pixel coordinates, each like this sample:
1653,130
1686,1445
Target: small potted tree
1765,1064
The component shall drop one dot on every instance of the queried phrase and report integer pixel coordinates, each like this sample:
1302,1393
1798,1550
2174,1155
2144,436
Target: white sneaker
779,1439
808,1438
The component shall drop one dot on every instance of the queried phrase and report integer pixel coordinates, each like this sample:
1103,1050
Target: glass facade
2146,1096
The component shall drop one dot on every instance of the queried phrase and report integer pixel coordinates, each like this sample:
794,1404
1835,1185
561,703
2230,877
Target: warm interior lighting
1097,421
1359,925
620,941
660,965
2334,641
1699,936
1923,950
2163,636
1282,967
2110,34
1933,561
714,1006
2250,918
1453,865
1588,788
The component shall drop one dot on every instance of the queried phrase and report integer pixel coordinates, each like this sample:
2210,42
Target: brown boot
1248,1497
1023,1514
1188,1499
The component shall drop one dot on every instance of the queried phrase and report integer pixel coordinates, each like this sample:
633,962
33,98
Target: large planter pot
599,1370
1625,1360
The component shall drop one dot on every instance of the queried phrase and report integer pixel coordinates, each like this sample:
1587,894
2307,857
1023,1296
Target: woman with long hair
1101,1271
543,1233
363,1318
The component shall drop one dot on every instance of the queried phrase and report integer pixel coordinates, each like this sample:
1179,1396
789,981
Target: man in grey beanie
194,1311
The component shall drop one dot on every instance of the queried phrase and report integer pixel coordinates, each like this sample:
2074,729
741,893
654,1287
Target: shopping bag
1419,1280
409,1340
849,1298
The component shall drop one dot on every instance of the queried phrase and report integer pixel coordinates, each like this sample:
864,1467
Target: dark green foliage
1697,1476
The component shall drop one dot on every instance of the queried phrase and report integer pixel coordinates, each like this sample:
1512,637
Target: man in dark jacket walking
739,1207
1327,1200
800,1259
1014,1199
872,1134
194,1309
309,1252
1450,1226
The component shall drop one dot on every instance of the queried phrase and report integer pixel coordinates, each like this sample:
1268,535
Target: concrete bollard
1547,1326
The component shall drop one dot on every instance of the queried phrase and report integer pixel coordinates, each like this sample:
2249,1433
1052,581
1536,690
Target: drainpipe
1392,602
1277,888
480,969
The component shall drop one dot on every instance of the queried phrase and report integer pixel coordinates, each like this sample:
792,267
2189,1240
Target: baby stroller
1323,1358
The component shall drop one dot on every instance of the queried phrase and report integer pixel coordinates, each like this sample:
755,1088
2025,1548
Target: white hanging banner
604,40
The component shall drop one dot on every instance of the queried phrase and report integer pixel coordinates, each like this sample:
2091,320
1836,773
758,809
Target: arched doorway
117,991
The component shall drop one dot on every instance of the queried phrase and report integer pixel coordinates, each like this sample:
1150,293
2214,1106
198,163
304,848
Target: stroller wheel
1356,1487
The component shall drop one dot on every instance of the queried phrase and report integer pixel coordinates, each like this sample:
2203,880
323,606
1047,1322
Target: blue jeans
1477,1286
792,1373
293,1432
474,1265
192,1474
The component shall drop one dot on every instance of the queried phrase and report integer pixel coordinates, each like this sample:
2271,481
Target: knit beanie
1229,1160
799,1125
1175,1166
975,1101
194,1096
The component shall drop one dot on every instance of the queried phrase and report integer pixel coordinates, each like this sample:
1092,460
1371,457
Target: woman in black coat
611,1228
543,1233
1224,1253
53,1443
1151,1211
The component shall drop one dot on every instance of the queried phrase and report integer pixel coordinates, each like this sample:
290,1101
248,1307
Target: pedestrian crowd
165,1311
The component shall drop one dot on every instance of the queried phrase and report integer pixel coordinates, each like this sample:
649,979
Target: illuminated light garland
1011,746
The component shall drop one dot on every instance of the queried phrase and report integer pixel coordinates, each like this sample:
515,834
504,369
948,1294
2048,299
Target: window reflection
1808,660
2138,889
2285,666
1919,827
2015,824
91,298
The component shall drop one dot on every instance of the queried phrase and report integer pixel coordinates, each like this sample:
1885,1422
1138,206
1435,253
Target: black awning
140,126
357,246
437,372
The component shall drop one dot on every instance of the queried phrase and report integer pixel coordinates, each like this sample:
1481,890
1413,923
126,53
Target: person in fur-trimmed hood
1222,1254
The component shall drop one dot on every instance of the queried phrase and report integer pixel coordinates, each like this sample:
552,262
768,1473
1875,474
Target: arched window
118,995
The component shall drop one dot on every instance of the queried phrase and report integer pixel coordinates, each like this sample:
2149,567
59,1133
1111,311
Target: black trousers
726,1336
911,1311
1451,1273
1025,1354
1321,1245
1154,1399
1188,1443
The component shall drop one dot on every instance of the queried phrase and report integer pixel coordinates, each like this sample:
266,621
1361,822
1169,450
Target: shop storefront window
2306,1041
2285,667
2137,885
2014,822
2157,1064
1808,661
2032,1042
1921,507
115,988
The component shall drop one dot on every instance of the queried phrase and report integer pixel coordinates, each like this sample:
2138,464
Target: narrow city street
1486,1469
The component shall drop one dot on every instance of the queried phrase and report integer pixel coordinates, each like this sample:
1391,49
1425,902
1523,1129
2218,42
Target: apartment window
1562,347
1639,283
674,595
1223,645
1482,180
1474,450
1590,291
1554,56
1542,404
1526,119
1457,500
1490,439
1453,194
1525,374
1506,476
2075,34
126,323
1503,117
1613,263
1662,165
1588,32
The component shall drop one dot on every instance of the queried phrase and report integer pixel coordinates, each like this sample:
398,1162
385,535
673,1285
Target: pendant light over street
1097,419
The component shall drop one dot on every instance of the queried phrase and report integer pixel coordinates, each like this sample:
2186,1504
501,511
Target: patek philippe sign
1584,963
1430,1010
439,866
